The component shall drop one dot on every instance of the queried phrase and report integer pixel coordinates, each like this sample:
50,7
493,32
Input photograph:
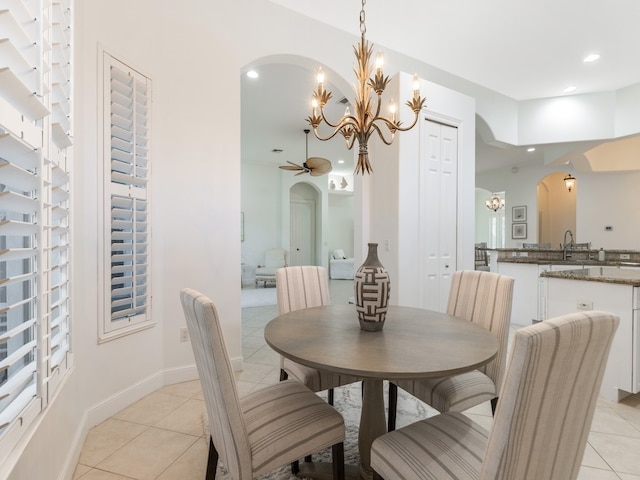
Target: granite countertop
577,262
621,276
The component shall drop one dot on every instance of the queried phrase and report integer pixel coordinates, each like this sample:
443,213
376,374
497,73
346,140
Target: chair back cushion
485,298
548,399
226,422
338,254
276,257
301,287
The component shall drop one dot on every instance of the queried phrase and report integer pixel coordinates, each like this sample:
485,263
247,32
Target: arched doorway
556,209
273,117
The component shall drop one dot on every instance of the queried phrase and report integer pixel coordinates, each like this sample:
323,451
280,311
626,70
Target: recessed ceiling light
340,161
570,89
531,149
591,58
252,74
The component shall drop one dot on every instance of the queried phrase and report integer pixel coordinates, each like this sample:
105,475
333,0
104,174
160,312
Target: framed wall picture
519,230
519,214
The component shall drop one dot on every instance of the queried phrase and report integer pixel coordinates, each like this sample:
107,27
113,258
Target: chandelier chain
363,26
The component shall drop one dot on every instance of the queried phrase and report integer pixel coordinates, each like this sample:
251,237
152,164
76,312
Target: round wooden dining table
414,343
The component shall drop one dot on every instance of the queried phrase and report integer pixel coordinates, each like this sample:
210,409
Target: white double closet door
439,211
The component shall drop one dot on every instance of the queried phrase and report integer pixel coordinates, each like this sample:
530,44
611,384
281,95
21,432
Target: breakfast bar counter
610,289
623,276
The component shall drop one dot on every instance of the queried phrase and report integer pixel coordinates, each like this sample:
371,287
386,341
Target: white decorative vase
372,292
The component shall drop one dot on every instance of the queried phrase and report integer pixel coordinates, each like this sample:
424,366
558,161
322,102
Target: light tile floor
161,436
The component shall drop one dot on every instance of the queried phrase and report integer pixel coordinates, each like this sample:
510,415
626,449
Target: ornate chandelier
366,119
495,203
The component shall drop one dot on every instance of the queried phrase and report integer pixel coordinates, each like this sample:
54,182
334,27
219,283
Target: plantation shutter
126,153
35,133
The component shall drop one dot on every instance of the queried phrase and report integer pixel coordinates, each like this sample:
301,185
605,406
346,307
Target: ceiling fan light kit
365,120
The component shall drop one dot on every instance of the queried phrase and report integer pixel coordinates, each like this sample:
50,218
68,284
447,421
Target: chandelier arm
375,127
352,120
333,134
404,129
391,125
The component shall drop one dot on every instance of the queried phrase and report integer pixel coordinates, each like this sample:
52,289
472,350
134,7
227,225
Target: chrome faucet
566,245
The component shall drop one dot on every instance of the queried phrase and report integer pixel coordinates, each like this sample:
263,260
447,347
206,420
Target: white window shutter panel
35,167
127,231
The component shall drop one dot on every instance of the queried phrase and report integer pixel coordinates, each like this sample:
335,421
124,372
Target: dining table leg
372,423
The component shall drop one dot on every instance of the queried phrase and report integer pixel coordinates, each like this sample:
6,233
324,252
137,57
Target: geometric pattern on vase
372,287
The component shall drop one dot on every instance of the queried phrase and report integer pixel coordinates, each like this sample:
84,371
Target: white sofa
340,267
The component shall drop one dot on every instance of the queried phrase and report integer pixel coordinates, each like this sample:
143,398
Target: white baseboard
180,374
115,403
237,363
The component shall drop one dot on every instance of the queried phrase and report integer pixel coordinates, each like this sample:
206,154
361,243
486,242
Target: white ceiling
523,49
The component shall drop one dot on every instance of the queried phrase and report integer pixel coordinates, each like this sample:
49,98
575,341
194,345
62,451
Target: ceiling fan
314,166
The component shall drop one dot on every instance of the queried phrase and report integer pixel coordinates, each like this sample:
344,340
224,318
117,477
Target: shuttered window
35,164
126,113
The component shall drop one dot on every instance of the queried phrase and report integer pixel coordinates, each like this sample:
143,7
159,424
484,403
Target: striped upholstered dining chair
267,428
305,287
483,298
541,424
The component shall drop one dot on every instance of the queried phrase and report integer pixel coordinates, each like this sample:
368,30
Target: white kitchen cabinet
564,296
525,308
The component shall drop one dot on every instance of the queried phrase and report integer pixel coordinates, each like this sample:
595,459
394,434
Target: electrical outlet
585,305
184,334
625,256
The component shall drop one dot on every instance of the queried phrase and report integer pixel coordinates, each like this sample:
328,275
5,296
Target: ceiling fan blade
318,166
293,166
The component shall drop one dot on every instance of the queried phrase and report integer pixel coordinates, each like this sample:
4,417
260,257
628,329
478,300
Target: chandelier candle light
364,121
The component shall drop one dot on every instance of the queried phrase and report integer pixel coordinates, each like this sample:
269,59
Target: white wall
609,199
602,199
340,233
261,187
520,189
483,216
559,213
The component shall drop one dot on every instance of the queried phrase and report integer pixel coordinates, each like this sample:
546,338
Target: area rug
347,401
257,297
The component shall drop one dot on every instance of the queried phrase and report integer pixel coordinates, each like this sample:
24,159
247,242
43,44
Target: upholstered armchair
274,259
340,267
